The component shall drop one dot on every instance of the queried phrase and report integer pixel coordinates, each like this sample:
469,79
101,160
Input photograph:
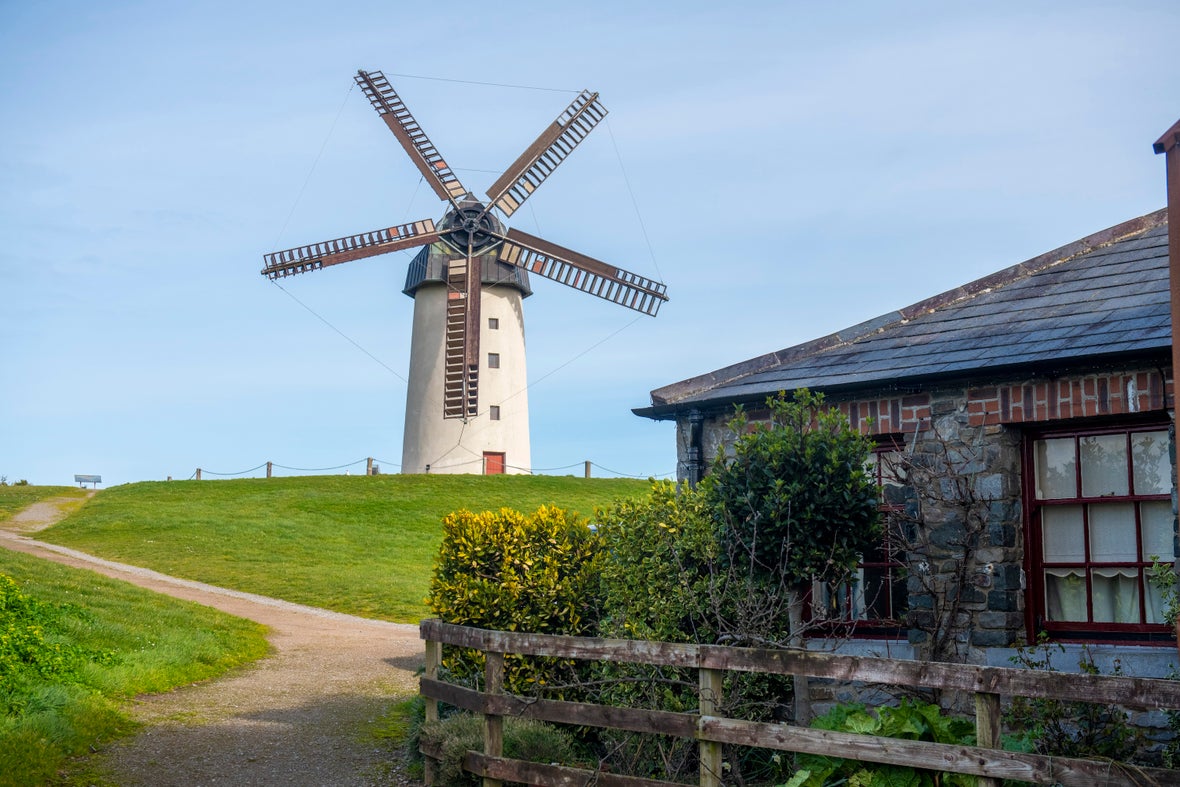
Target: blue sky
788,169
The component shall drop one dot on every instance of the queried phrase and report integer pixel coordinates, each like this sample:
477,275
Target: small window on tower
494,323
493,360
494,412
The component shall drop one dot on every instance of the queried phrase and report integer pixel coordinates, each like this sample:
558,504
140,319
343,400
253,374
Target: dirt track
294,718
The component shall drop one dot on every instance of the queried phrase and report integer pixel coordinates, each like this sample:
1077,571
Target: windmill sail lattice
472,237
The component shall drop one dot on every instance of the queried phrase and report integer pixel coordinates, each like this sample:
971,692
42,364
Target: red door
493,463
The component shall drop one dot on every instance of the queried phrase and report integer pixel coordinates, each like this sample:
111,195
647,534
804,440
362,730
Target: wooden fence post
198,474
269,466
369,466
987,728
433,660
587,468
493,726
710,702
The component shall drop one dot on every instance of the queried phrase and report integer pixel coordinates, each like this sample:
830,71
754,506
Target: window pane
1112,533
1153,469
1104,465
892,468
1116,595
1065,594
1156,520
1056,468
875,592
1064,539
1155,604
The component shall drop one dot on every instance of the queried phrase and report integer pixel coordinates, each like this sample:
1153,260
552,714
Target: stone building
1023,423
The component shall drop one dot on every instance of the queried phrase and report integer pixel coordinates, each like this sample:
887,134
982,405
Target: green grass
14,498
364,545
152,643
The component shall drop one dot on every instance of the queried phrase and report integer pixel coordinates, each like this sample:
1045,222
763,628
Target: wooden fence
985,760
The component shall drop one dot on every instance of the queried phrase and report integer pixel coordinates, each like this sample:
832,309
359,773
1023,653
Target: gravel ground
297,717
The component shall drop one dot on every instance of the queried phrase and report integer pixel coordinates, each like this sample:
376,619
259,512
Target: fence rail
989,684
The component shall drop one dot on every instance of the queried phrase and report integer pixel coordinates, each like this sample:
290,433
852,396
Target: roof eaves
694,387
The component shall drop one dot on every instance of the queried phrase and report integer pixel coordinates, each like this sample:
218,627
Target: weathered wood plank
988,723
971,760
710,682
551,775
493,725
433,659
587,648
1142,693
659,722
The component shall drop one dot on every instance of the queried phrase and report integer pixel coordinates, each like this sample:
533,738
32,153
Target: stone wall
966,534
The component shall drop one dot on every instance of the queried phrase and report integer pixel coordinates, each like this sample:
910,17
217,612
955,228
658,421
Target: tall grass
124,641
363,545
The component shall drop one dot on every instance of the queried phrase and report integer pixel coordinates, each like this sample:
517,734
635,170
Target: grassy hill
356,544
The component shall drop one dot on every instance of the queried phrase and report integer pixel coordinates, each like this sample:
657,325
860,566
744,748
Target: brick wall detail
1073,397
1027,402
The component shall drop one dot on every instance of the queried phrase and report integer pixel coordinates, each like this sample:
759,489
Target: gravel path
296,717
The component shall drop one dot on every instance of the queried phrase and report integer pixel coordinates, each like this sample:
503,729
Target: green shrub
511,572
524,739
794,496
663,580
655,578
911,720
1068,728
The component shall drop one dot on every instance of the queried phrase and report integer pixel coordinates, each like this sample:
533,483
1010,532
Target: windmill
470,277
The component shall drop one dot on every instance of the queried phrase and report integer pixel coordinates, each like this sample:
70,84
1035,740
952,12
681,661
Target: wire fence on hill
374,466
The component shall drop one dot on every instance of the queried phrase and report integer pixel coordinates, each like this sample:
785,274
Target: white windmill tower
466,407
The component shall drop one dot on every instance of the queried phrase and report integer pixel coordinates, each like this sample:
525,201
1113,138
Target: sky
788,169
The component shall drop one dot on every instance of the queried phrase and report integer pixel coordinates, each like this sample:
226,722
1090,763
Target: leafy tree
795,502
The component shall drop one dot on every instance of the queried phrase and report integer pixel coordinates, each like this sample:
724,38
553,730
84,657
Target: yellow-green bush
509,571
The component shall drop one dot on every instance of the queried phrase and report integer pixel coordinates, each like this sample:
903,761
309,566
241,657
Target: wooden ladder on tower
460,380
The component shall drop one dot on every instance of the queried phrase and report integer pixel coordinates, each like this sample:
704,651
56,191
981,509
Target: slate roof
1102,297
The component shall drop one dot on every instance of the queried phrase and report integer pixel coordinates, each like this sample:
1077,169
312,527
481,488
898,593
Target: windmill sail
302,259
539,160
582,273
418,146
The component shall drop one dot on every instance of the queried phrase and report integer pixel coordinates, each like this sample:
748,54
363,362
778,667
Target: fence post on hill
198,474
493,726
710,751
369,466
587,468
269,469
987,728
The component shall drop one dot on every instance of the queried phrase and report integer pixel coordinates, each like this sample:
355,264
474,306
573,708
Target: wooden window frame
1036,605
891,562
